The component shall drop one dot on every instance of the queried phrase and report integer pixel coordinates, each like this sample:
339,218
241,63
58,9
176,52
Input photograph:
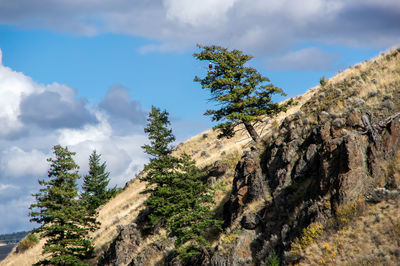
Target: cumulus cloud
15,162
35,117
198,12
262,27
12,86
117,103
24,102
48,110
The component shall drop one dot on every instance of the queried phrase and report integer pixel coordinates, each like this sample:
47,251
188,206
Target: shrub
323,81
347,212
329,253
28,242
312,232
272,259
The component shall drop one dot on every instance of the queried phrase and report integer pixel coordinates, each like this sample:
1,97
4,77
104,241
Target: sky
84,74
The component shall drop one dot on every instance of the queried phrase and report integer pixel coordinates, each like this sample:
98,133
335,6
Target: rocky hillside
322,187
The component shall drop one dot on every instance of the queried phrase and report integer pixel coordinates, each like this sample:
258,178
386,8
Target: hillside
313,190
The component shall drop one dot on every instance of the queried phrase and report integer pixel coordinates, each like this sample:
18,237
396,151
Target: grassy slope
373,236
207,149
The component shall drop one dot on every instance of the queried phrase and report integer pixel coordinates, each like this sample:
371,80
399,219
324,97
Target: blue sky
84,74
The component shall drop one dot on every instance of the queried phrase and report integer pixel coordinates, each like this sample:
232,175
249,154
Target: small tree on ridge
240,91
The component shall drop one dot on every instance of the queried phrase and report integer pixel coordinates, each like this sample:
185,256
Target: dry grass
371,239
26,258
379,74
368,82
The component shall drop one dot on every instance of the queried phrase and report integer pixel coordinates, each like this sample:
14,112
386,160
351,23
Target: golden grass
371,239
124,208
26,258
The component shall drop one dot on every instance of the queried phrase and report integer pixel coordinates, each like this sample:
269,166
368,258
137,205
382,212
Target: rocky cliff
301,196
320,168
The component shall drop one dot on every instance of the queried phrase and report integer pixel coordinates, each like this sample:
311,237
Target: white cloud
15,162
13,86
95,133
261,27
5,187
304,59
198,13
24,108
123,154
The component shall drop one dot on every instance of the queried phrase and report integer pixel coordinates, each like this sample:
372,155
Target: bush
323,81
347,212
309,235
28,242
272,260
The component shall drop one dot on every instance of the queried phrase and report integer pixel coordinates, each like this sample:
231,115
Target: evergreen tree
193,216
159,171
64,221
95,192
239,90
178,199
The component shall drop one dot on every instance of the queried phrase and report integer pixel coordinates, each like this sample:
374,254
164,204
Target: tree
95,192
64,221
159,171
193,216
239,90
178,199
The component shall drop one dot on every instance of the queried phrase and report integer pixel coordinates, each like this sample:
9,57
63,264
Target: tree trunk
253,133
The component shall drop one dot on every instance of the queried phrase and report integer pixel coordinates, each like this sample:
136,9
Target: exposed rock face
248,185
123,248
216,171
316,161
310,171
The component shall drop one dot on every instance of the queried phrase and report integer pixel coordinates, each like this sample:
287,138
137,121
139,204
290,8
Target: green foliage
159,173
95,192
192,215
272,260
160,135
178,199
323,81
241,92
64,221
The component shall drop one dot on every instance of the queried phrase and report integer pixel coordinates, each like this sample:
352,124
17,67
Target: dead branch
373,129
388,120
370,130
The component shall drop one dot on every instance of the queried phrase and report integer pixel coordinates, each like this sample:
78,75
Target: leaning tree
242,94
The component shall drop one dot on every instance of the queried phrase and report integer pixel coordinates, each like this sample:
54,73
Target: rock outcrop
318,160
248,185
309,172
124,247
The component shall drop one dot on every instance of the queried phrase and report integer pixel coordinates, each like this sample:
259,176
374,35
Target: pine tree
178,199
159,171
239,90
95,192
64,221
193,216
